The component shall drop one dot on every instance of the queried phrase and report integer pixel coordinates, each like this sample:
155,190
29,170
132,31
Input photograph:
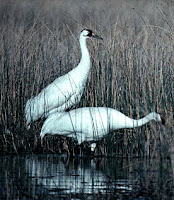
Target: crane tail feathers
42,135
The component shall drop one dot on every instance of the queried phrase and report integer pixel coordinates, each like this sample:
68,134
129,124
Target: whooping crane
92,123
65,91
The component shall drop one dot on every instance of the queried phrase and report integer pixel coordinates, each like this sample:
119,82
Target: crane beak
163,121
164,132
96,36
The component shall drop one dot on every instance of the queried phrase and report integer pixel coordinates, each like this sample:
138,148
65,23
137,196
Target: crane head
89,34
163,121
158,117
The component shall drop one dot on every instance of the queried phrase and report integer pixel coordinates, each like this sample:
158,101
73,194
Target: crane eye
89,33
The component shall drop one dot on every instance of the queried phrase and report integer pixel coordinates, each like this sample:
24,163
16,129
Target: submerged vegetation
132,69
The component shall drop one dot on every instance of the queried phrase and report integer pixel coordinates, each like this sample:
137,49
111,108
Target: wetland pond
57,177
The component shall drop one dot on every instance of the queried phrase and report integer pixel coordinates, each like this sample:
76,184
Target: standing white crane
65,91
92,123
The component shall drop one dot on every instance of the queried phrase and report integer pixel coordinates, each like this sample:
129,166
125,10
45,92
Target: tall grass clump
132,69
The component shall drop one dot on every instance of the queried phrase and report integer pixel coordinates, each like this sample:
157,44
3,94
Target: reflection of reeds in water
57,177
132,70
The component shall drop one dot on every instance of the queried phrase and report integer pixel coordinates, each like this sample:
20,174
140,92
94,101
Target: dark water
56,177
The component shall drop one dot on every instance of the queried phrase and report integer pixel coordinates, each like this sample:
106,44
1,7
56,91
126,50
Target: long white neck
142,121
80,73
85,57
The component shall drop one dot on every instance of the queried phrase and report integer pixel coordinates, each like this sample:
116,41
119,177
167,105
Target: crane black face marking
89,33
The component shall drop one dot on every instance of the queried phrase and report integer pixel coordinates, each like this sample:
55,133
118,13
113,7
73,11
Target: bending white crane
92,123
63,92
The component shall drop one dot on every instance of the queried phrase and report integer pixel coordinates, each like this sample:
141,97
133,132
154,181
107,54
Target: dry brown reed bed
132,70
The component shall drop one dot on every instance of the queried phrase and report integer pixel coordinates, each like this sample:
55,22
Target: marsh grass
132,69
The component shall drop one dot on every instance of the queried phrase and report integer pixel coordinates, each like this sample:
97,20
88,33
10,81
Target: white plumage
65,91
91,123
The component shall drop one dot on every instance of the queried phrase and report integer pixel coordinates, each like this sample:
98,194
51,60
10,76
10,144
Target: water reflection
76,176
55,177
